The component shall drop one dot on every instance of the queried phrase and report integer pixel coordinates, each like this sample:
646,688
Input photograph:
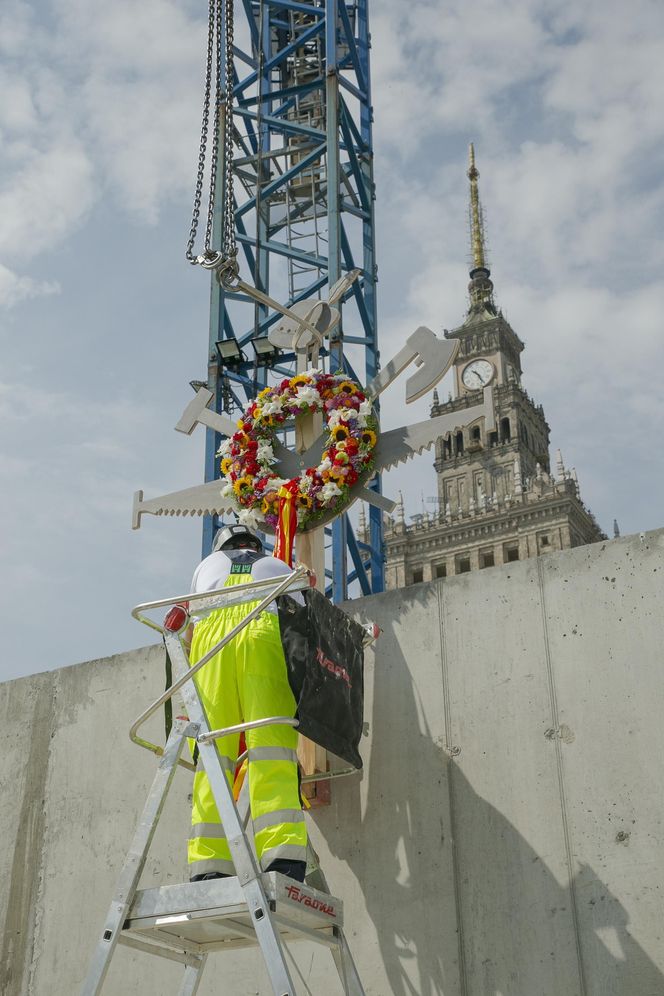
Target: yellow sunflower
299,379
243,484
368,437
264,392
226,464
336,474
346,387
340,432
304,501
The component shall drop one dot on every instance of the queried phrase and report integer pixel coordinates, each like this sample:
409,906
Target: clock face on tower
477,374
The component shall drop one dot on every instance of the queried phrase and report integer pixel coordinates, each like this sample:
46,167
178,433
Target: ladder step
198,917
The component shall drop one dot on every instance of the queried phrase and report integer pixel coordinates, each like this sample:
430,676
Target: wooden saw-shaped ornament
433,358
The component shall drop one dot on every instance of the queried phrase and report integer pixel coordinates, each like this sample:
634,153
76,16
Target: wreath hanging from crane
254,488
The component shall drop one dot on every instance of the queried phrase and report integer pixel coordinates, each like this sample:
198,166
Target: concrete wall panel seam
557,743
456,871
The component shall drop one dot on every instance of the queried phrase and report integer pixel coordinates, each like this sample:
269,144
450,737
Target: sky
103,322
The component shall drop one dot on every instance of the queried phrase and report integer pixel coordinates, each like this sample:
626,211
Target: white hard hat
232,536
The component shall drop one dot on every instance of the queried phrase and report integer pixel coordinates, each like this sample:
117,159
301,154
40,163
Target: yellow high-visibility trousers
247,680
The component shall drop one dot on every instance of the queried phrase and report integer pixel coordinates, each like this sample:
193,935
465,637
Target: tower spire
480,287
476,220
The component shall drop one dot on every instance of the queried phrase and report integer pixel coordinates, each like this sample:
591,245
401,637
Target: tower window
505,431
459,442
493,439
487,558
510,552
418,575
462,564
440,570
475,434
447,448
544,541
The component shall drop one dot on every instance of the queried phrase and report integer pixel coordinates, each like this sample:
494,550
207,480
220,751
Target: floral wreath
257,493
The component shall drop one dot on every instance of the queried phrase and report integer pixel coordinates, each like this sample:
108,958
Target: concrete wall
505,838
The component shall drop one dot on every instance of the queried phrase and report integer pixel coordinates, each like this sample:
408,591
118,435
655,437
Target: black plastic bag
324,655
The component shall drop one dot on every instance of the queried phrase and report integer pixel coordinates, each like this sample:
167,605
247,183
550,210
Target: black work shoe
208,876
293,869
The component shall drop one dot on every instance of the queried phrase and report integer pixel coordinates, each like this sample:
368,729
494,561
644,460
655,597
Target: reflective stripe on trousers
247,680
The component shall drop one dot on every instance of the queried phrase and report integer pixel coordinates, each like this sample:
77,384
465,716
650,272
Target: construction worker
246,680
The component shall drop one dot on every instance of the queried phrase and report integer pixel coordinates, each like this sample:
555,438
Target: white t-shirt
213,572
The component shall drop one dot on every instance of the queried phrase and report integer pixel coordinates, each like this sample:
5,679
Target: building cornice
519,517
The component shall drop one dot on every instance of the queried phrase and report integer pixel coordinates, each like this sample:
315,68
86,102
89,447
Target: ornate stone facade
498,500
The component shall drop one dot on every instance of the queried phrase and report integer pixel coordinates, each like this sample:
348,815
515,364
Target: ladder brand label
296,894
241,568
338,670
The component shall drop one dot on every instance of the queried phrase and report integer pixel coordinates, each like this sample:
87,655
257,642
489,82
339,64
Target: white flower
278,482
224,447
325,464
265,453
363,414
272,407
334,418
250,517
305,482
307,395
329,490
227,491
348,414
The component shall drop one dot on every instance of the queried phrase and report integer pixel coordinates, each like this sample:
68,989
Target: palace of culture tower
498,499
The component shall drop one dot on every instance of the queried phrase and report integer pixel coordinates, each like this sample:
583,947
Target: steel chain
229,247
202,153
214,154
220,14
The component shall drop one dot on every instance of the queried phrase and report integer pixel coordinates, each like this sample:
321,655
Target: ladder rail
192,979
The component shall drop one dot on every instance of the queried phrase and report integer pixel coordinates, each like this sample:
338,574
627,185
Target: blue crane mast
303,202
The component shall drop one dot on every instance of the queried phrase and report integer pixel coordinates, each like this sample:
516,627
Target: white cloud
102,98
14,288
16,27
49,196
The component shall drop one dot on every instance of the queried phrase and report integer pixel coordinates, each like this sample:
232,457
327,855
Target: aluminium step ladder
184,923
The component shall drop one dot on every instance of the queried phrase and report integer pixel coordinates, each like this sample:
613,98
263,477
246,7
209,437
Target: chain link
202,153
229,247
214,155
220,15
